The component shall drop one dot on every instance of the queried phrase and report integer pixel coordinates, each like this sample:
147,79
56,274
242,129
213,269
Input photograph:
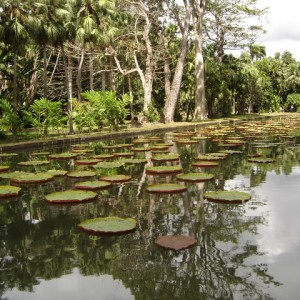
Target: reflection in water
238,254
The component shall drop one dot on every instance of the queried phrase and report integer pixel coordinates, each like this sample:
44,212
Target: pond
243,250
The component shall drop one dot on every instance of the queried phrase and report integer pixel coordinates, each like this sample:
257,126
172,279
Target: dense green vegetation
83,64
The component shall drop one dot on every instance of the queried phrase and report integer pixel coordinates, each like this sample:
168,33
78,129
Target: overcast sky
283,27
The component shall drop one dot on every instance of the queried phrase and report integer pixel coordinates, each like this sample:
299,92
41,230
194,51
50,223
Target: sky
282,26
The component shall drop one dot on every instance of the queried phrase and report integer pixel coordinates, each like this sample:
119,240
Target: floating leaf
166,157
123,154
86,162
65,155
4,168
57,172
102,156
211,157
108,165
227,196
186,141
108,225
34,163
134,160
81,174
92,185
116,178
195,177
8,154
200,164
166,188
163,170
40,153
9,191
31,178
261,160
70,196
10,175
176,242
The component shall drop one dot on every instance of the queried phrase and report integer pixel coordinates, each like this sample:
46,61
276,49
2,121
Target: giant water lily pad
8,154
4,168
70,196
65,155
10,175
134,160
86,162
195,177
186,141
166,188
262,160
34,163
211,157
81,174
166,157
116,178
44,153
9,191
227,196
176,242
102,156
140,149
92,185
31,178
57,172
163,170
108,225
123,154
108,165
202,164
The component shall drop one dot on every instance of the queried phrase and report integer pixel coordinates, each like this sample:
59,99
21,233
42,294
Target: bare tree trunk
30,91
15,85
45,86
79,74
173,95
91,69
68,77
103,80
200,112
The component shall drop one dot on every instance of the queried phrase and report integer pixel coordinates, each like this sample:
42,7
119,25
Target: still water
243,251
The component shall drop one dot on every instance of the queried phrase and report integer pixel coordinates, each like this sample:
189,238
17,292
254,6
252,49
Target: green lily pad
102,156
262,160
166,157
82,151
4,168
108,165
140,149
232,151
134,160
70,196
55,173
86,162
163,170
158,147
81,174
186,141
31,178
201,164
116,178
227,196
123,154
166,188
210,157
108,225
34,163
176,242
40,153
8,154
9,191
10,175
92,185
65,155
195,177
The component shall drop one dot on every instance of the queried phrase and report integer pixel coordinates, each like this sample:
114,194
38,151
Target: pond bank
128,132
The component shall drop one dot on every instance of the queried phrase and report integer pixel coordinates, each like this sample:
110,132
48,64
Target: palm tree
257,51
14,23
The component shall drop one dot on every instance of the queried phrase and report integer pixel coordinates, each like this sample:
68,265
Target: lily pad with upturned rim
86,162
227,196
262,160
116,178
65,155
4,168
108,225
9,191
10,175
70,196
102,156
108,165
34,163
206,163
134,160
31,178
176,242
92,185
57,172
81,174
3,155
158,170
166,157
166,188
194,177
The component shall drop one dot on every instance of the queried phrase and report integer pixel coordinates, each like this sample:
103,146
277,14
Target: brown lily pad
4,168
176,242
